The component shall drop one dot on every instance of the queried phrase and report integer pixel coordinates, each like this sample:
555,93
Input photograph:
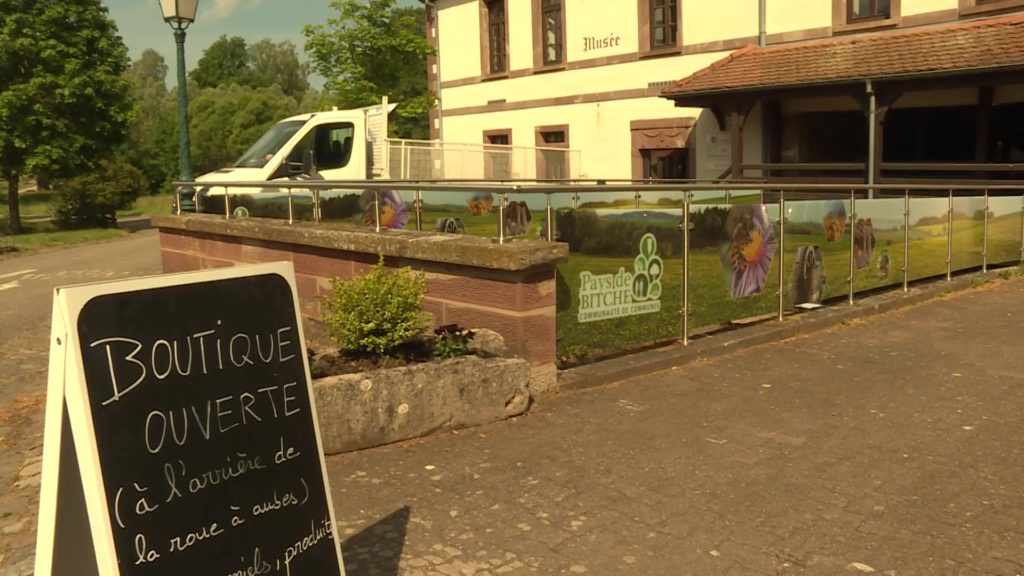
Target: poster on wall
747,256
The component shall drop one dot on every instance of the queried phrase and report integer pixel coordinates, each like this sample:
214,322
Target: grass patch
149,205
31,204
37,236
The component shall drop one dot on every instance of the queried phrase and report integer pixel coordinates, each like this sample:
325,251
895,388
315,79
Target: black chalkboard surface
204,430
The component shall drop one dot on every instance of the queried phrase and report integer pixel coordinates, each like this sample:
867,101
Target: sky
141,24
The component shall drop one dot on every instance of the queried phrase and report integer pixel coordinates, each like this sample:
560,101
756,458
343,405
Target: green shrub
377,311
93,199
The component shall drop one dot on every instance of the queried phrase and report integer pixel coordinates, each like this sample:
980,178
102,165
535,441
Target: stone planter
373,408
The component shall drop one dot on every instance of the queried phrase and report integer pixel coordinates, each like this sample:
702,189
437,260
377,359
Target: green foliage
278,63
224,62
64,98
92,199
451,341
264,64
374,49
376,311
152,136
226,120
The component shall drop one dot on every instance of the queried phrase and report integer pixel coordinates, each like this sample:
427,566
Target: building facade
858,90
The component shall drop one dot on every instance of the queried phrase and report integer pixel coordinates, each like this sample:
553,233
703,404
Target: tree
152,135
278,63
64,98
224,62
225,121
374,49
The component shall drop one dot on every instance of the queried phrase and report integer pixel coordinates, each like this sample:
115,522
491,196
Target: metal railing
689,194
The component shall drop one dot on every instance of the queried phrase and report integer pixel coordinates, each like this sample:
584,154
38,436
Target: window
659,26
867,10
664,23
498,155
553,153
331,145
552,32
665,164
496,36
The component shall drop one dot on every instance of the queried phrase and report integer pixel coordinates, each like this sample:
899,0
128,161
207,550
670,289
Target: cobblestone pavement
888,445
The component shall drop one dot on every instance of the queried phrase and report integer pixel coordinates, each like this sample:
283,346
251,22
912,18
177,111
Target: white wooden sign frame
75,535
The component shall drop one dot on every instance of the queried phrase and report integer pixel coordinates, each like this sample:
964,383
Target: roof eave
698,97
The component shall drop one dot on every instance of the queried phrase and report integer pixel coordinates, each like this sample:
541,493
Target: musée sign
181,435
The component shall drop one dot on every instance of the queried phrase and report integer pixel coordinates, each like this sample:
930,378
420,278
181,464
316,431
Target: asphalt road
26,300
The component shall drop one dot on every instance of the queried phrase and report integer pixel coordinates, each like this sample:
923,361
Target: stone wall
471,281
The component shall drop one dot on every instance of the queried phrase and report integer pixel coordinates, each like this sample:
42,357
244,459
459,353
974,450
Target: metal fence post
906,239
636,199
549,220
984,245
418,205
949,238
686,267
376,210
853,226
291,207
227,204
316,205
575,200
782,252
503,198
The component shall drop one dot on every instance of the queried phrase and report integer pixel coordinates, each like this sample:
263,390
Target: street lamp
179,14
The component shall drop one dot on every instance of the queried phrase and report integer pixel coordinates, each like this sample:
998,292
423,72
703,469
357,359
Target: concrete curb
794,324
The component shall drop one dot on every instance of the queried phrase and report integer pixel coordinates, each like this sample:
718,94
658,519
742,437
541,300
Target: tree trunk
12,204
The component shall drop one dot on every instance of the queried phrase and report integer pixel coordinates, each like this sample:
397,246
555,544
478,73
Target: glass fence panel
817,260
733,263
877,244
1004,229
473,213
968,232
621,287
928,227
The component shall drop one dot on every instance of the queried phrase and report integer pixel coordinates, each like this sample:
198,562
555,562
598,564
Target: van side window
333,145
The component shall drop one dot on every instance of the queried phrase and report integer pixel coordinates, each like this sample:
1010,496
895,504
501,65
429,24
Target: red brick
539,336
255,254
437,310
222,248
323,264
217,263
179,262
172,240
308,289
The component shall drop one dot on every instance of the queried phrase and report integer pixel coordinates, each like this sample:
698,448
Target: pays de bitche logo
606,296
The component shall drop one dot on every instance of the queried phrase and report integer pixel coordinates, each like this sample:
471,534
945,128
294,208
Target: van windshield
264,149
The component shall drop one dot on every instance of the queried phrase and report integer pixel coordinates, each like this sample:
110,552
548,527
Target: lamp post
179,14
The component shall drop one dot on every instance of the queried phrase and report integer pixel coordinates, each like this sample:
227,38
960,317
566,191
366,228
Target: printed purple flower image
393,213
750,251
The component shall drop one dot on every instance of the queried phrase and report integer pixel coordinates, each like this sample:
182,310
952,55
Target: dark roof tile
963,46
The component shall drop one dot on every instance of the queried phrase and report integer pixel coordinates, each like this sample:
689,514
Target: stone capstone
358,411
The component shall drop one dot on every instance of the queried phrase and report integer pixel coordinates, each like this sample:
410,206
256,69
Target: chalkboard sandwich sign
181,434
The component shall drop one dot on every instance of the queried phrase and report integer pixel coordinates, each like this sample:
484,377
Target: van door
329,146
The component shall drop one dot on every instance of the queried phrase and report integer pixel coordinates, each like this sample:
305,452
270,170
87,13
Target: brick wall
520,305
